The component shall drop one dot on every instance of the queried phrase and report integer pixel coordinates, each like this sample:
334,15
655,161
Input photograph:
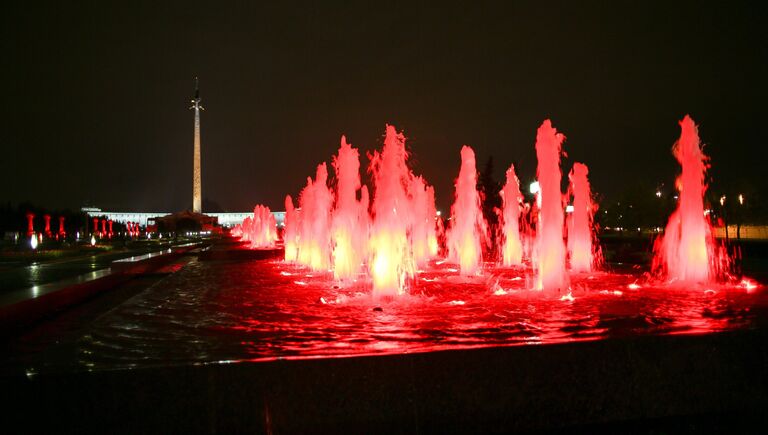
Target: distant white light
534,188
33,241
658,194
741,199
569,209
93,240
439,213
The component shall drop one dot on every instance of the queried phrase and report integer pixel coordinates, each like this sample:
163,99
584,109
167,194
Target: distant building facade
225,219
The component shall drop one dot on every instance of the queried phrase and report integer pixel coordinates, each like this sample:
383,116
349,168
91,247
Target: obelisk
197,188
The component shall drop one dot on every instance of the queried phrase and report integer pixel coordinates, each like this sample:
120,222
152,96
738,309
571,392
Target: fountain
391,261
259,230
291,234
423,230
469,230
581,253
687,252
550,247
349,226
394,245
367,281
314,222
512,246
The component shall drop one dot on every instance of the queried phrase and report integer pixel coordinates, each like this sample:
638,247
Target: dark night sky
95,96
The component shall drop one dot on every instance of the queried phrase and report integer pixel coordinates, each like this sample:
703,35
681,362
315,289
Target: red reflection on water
224,311
293,312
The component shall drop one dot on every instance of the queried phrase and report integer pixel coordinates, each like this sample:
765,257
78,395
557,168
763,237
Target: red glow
550,248
30,224
314,222
260,230
512,247
47,220
62,230
388,245
581,253
391,261
469,231
687,252
350,216
269,309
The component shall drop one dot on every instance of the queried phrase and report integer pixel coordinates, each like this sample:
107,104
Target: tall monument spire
197,188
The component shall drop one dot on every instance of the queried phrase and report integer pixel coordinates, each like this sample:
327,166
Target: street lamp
534,188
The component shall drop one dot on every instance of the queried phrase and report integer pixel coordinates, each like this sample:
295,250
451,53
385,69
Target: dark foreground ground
713,383
673,384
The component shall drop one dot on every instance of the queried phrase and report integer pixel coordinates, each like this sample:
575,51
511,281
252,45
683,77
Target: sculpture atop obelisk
197,189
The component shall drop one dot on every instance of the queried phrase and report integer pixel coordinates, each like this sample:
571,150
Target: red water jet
350,216
391,262
423,232
259,230
511,244
291,234
580,229
315,202
550,247
469,230
687,252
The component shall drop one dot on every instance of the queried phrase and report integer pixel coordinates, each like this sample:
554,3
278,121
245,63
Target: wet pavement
23,275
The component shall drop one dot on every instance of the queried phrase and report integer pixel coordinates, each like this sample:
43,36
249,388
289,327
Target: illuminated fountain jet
391,264
291,234
687,252
259,230
350,216
511,244
581,253
423,230
550,246
469,230
315,202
